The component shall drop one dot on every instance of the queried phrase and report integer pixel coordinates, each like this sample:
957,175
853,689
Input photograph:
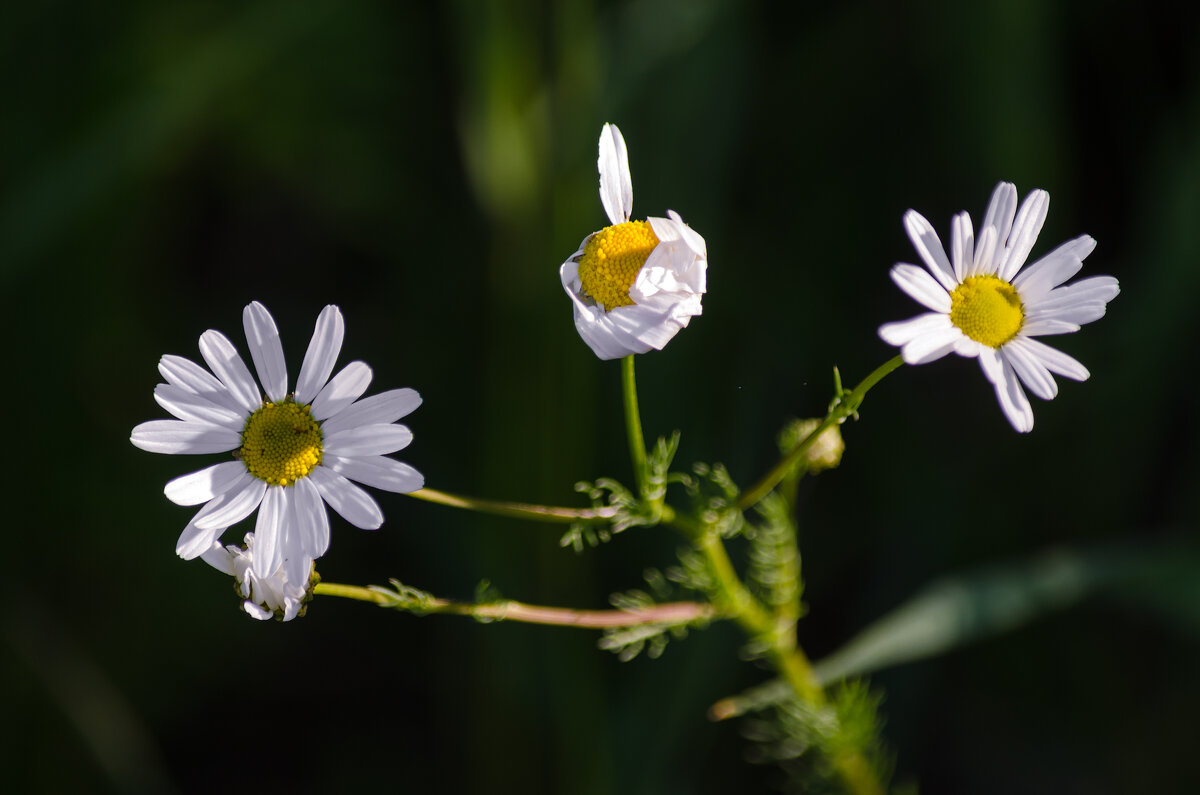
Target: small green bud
826,450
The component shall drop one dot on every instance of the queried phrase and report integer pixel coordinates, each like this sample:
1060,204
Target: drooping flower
634,284
986,305
272,596
293,453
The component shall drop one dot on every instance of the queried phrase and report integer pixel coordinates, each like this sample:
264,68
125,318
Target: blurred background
428,166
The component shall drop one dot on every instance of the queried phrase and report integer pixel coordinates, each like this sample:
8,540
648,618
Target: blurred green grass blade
959,610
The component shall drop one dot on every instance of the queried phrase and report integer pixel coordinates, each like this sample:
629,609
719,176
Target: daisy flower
274,596
985,305
293,452
634,284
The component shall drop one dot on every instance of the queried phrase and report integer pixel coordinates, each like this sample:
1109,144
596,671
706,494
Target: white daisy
274,596
634,284
985,305
292,451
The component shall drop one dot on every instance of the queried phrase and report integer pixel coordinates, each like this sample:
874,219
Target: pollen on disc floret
612,259
987,309
281,443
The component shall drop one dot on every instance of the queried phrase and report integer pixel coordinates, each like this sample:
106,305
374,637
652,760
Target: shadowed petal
179,436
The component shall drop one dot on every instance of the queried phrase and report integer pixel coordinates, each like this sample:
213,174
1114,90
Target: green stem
508,610
843,406
519,510
633,423
734,600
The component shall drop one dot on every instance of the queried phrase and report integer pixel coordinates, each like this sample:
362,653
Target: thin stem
843,406
520,510
507,610
633,423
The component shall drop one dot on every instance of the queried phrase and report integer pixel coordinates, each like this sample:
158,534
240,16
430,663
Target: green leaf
958,610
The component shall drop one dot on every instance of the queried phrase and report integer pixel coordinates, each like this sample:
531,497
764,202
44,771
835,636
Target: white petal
962,245
220,558
656,322
187,375
1055,360
377,409
929,246
672,267
312,521
1030,370
616,184
920,286
1026,228
905,331
1078,314
202,486
605,339
352,503
322,353
1053,269
1012,398
985,253
194,541
378,472
255,610
189,406
1044,327
368,440
345,388
269,530
297,566
223,359
266,350
967,348
1081,302
189,438
689,236
931,346
231,507
1002,207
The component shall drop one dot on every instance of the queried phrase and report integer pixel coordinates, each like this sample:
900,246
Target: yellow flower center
987,309
611,260
281,443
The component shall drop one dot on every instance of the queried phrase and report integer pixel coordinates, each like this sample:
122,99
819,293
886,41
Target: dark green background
428,167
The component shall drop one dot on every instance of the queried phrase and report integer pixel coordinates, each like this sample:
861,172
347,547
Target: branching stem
843,406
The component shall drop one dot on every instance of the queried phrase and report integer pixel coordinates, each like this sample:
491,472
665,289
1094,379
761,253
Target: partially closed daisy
273,596
293,452
985,305
634,284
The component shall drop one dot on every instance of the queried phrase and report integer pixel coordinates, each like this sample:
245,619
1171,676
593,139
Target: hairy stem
508,610
519,510
736,601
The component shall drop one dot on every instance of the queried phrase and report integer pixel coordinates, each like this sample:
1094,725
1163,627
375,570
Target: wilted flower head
635,284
